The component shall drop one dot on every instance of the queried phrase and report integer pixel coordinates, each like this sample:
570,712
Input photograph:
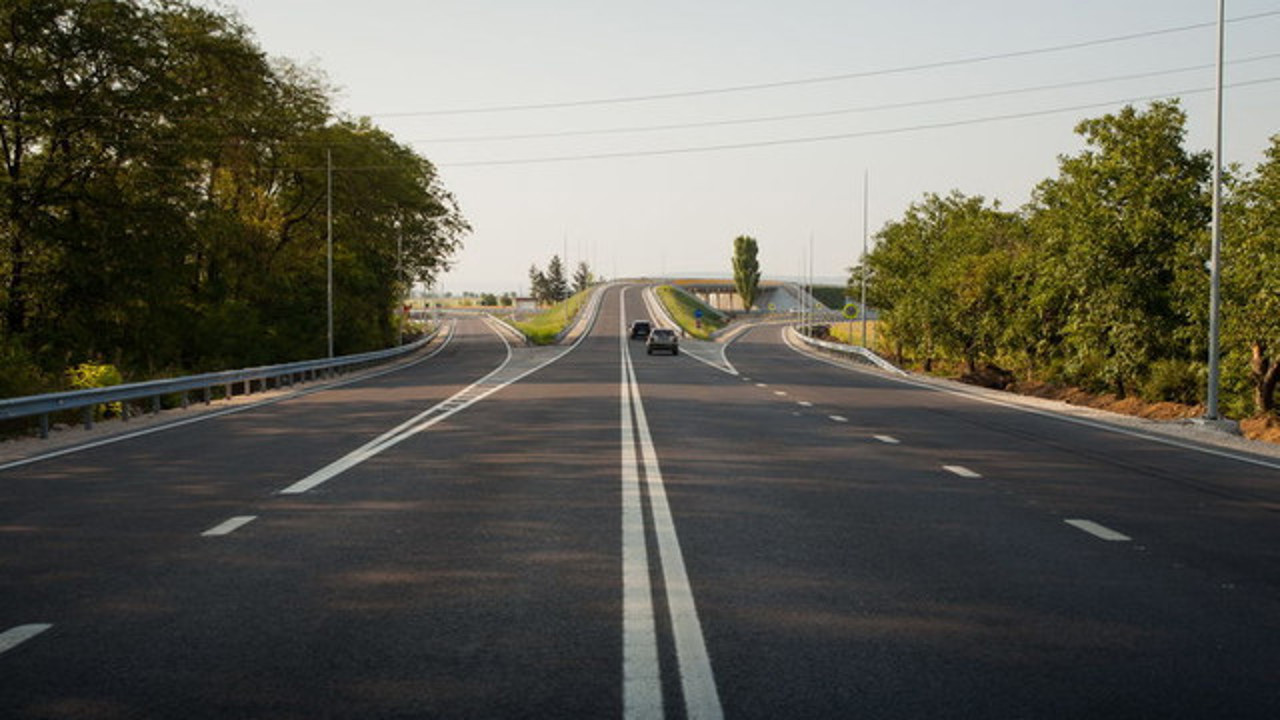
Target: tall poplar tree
746,270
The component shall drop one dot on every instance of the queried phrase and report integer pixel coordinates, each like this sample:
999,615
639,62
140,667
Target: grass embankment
542,329
682,307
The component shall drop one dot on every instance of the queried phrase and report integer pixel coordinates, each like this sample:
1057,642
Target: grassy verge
682,307
542,329
840,332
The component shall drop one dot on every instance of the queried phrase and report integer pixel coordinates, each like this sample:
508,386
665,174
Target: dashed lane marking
839,418
15,636
229,526
961,470
887,439
1099,531
804,403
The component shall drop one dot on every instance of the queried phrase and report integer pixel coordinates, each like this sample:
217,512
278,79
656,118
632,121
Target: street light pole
1215,260
400,279
863,302
328,161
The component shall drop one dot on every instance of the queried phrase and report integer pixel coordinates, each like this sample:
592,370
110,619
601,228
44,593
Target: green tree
746,269
557,284
1119,227
538,285
944,278
161,205
582,277
1251,278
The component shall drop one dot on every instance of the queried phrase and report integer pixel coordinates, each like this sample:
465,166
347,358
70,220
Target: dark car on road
640,329
662,339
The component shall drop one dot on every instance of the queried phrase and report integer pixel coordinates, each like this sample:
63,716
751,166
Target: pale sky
403,62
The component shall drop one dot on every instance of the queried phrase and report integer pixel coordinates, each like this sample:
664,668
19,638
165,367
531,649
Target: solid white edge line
229,526
396,434
702,700
406,429
1099,531
226,411
961,470
641,676
15,636
1097,425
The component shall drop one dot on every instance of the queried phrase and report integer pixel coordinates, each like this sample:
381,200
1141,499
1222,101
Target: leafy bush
1173,381
89,375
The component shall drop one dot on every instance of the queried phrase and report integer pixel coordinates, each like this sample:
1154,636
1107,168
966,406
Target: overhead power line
830,113
838,136
824,78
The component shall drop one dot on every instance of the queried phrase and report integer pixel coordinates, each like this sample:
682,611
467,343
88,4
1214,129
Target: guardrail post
227,391
124,411
44,426
155,404
186,399
208,395
88,417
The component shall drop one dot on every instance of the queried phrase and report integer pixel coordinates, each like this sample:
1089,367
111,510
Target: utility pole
1215,261
328,162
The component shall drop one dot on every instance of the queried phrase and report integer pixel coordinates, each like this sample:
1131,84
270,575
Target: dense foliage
163,198
1100,281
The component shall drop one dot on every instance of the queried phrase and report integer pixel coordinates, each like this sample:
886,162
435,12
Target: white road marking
1095,424
226,411
229,526
15,636
839,418
961,470
780,393
887,439
804,403
762,385
641,678
460,401
702,701
1098,531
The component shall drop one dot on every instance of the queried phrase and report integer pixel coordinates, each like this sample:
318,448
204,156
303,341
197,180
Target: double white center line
641,674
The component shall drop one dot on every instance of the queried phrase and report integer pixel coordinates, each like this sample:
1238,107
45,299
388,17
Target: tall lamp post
328,164
863,302
1211,403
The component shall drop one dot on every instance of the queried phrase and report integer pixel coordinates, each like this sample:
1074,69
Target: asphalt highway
591,531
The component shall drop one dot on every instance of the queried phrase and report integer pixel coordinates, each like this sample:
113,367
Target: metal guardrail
843,349
266,377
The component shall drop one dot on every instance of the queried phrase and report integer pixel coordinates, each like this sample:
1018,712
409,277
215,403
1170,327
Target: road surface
595,532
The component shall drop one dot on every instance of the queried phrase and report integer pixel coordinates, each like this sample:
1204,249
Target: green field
542,329
682,307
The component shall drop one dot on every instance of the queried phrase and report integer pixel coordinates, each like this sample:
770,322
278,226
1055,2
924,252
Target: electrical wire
823,78
838,136
830,113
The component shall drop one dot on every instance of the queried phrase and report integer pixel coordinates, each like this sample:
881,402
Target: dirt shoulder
1265,428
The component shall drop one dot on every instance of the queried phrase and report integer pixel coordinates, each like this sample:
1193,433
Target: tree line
1101,280
551,286
164,197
